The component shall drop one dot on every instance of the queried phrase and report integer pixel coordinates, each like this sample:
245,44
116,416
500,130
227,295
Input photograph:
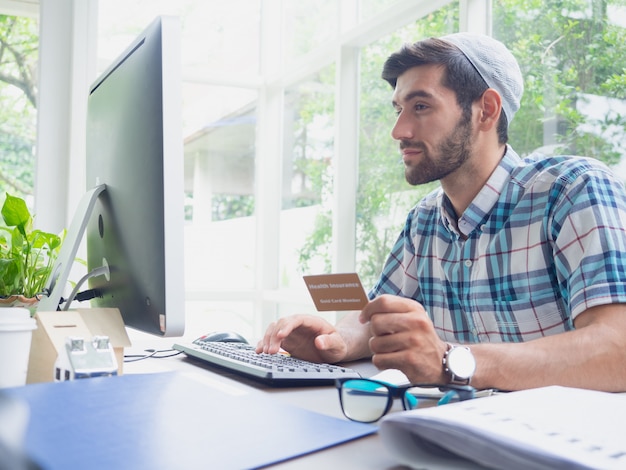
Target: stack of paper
544,428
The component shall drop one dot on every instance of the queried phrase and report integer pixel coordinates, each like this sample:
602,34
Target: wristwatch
459,364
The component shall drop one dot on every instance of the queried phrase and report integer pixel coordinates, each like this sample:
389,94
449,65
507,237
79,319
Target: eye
420,107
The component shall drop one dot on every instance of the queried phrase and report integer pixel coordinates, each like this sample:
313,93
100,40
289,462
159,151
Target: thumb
331,347
323,342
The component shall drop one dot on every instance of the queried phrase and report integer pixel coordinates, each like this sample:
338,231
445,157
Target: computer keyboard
273,369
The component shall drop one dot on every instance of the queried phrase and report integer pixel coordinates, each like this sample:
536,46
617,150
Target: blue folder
168,421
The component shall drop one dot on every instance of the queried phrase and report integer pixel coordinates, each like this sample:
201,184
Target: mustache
408,144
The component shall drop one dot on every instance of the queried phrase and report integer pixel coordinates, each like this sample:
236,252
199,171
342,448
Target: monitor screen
135,149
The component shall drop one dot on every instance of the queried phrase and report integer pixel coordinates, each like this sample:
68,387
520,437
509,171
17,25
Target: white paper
539,428
393,377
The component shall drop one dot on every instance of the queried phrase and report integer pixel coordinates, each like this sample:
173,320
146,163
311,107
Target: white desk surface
364,453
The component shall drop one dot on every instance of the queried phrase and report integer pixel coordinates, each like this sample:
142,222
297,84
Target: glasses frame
464,392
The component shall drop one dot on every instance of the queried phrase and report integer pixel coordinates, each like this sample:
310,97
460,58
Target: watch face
461,362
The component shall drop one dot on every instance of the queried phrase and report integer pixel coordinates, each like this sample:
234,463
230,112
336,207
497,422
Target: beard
447,157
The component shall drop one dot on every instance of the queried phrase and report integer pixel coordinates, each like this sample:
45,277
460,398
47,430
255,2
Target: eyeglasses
366,400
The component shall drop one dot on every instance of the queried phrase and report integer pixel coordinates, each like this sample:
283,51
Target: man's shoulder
564,168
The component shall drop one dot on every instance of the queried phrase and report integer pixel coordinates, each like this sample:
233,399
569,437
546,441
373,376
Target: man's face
435,138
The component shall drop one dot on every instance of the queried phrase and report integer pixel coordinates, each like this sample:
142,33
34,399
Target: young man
513,274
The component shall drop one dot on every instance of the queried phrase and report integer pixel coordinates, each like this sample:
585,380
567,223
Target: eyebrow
414,94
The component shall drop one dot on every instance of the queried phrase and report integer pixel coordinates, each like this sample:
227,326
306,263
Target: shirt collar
475,215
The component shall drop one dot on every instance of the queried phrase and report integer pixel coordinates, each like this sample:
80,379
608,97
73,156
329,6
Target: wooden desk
364,453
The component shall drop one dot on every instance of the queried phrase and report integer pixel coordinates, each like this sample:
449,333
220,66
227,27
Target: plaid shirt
543,241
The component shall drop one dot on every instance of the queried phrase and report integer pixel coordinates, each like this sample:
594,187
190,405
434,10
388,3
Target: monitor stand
56,283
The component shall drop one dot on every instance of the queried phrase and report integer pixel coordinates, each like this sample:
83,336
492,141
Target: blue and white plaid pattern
546,240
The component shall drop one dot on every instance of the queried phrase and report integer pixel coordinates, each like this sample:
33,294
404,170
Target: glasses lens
363,400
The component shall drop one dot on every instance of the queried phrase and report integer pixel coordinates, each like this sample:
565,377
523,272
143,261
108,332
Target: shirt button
468,263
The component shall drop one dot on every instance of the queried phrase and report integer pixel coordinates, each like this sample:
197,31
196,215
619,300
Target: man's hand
304,336
403,337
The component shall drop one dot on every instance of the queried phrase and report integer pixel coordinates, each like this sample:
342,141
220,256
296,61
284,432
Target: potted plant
26,255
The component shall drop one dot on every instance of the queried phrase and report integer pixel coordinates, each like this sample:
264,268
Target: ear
490,107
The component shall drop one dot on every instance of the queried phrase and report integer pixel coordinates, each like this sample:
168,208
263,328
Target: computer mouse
224,337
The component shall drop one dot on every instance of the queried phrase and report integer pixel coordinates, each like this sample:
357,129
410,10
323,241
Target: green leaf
26,255
16,214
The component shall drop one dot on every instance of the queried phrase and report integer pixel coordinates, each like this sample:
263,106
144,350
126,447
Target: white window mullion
268,172
475,16
345,160
66,68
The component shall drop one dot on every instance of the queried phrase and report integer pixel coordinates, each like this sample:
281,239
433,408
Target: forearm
592,356
356,335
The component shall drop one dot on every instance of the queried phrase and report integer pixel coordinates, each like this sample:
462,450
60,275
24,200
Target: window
571,55
18,101
307,178
384,197
307,25
232,89
263,127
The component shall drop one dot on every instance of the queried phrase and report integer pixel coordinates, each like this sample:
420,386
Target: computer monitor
133,210
135,148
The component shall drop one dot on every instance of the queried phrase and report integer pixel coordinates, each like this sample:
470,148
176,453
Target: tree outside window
18,101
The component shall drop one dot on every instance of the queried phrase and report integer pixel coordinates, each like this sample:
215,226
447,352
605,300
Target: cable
152,353
88,295
101,271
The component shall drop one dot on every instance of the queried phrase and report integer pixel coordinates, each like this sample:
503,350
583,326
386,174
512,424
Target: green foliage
26,255
616,85
567,50
314,246
18,98
230,206
312,103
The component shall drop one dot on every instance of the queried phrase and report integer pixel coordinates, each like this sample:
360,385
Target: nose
402,129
